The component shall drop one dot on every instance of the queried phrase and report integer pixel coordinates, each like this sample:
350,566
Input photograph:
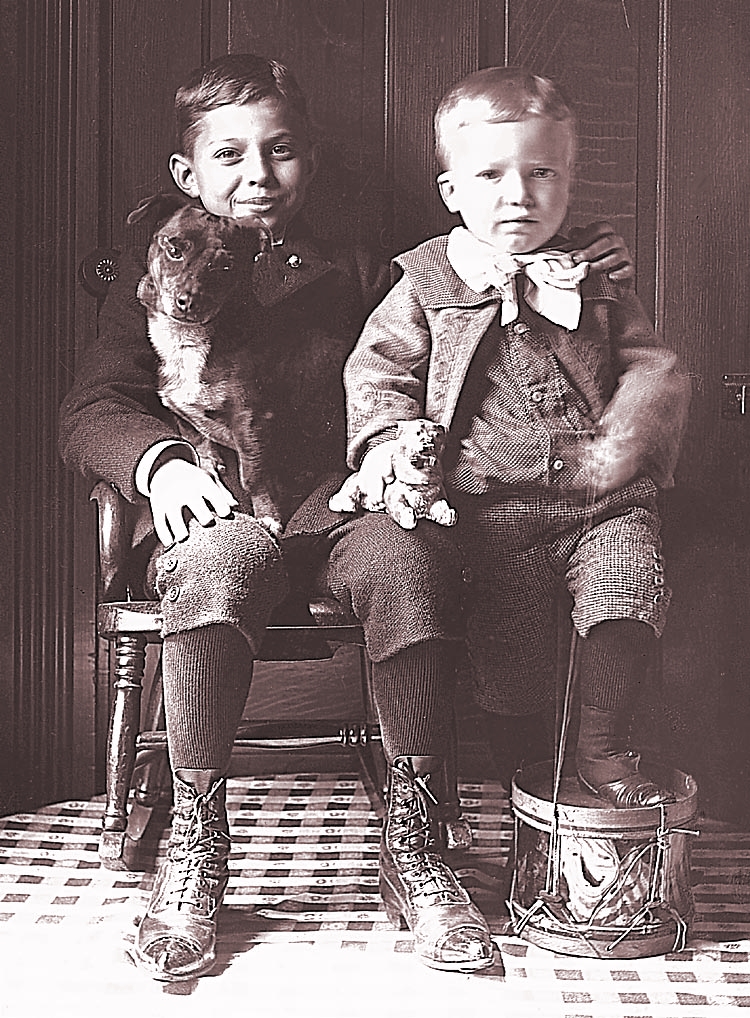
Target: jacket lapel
456,334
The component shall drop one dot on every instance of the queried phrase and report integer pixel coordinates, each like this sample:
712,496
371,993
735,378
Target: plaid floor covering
303,932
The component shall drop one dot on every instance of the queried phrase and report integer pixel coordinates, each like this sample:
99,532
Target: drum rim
605,821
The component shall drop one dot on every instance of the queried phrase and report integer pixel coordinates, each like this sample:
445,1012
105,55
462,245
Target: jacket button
294,261
537,396
521,328
169,563
558,465
173,593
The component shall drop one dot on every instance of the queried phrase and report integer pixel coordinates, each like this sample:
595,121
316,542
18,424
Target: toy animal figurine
207,372
417,490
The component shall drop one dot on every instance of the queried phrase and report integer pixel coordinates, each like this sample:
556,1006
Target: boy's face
251,160
510,182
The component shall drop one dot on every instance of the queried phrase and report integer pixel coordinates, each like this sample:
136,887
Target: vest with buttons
519,419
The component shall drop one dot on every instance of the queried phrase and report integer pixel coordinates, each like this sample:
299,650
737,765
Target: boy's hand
375,472
178,485
604,249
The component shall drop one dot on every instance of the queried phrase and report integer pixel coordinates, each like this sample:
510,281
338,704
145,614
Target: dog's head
196,261
421,442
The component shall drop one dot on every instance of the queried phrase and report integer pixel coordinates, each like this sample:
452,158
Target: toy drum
596,881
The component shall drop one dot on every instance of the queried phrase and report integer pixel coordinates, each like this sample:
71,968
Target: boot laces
197,859
414,842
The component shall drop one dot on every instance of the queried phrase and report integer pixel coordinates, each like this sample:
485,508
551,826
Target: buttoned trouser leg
406,589
616,577
217,590
521,551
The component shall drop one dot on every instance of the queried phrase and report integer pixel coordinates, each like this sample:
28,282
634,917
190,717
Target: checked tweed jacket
415,352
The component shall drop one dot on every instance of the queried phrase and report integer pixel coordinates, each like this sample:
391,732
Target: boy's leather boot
608,769
177,936
416,884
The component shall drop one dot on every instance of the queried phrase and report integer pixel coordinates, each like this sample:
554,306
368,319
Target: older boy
565,413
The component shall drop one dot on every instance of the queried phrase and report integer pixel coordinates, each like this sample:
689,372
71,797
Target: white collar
551,284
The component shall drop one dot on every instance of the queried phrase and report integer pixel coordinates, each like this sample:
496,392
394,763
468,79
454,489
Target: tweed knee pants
520,552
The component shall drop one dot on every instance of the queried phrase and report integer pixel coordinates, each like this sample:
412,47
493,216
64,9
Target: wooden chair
136,749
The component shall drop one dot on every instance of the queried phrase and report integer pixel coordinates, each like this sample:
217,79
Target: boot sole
397,918
603,797
146,965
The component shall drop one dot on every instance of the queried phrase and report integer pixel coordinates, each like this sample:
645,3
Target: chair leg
130,650
152,775
455,830
372,761
152,779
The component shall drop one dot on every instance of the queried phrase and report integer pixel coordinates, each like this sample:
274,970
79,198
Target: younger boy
565,413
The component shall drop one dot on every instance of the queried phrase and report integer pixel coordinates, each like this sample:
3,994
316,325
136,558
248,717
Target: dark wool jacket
416,349
303,316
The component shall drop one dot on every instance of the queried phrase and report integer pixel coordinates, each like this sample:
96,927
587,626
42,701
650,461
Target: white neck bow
551,283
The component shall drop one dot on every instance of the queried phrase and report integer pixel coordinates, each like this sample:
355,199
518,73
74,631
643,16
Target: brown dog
207,376
416,491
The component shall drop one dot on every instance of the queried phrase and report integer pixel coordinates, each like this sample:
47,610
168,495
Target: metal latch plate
735,398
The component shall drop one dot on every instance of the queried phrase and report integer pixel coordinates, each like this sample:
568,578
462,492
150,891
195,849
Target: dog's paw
443,514
348,498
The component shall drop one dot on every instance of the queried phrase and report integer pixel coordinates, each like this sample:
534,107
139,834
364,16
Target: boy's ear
182,174
447,191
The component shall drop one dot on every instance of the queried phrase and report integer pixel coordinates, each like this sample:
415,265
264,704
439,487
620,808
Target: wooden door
703,306
94,80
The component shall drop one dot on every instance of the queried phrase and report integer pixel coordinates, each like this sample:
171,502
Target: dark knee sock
614,658
207,675
414,694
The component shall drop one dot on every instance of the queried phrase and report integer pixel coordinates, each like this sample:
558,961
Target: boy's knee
231,572
413,560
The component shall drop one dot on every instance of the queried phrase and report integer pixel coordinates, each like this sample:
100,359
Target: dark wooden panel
335,49
90,697
705,244
153,47
591,48
425,56
41,705
704,308
9,466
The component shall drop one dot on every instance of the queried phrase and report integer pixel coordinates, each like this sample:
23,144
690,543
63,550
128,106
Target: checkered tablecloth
303,932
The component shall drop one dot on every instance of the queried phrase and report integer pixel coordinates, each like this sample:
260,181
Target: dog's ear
157,207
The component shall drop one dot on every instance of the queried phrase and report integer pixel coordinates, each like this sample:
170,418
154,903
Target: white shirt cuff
146,463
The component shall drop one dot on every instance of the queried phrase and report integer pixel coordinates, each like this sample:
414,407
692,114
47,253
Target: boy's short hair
498,95
236,79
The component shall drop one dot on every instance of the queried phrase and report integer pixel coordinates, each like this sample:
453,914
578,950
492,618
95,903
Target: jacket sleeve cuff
153,457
